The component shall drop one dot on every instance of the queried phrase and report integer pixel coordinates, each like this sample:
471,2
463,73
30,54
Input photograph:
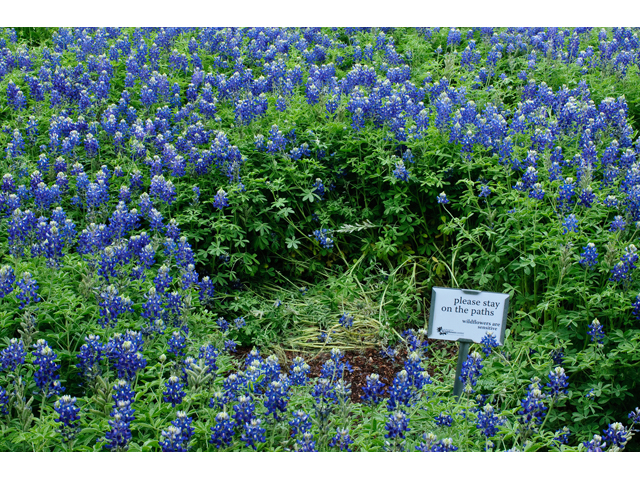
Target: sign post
463,353
465,316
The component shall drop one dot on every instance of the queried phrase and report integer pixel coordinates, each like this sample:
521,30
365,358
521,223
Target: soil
363,363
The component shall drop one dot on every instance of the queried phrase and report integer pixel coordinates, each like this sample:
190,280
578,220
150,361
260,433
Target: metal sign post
463,353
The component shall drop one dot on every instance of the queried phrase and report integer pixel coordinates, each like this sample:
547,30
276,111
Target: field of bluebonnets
182,207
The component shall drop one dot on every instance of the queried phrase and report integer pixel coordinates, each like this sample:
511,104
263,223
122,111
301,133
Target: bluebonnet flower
190,276
444,420
210,355
8,184
416,341
471,371
220,200
567,191
28,290
570,224
108,263
533,408
13,355
162,190
177,344
222,432
233,384
112,305
529,178
7,279
562,436
124,352
400,392
196,195
635,416
147,256
244,411
155,221
306,443
162,279
239,323
230,346
618,224
69,416
401,172
557,356
152,309
432,444
183,424
485,191
373,390
324,238
536,192
489,342
218,400
207,290
587,197
91,145
120,433
301,423
418,377
281,104
346,320
319,188
46,377
442,198
611,201
223,325
4,401
488,421
253,433
557,382
589,256
91,353
342,440
276,398
174,392
172,441
396,426
324,393
299,371
271,369
596,332
595,445
173,231
620,272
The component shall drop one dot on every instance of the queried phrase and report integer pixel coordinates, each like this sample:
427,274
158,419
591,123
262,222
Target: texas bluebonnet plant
156,179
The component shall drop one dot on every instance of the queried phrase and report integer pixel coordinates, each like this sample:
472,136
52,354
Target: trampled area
227,239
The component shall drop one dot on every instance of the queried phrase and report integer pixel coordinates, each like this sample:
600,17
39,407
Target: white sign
467,314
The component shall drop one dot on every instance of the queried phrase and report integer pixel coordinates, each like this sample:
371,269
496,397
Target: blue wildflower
174,392
596,332
222,432
253,433
442,198
342,440
489,342
589,256
13,355
557,382
69,416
